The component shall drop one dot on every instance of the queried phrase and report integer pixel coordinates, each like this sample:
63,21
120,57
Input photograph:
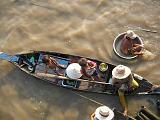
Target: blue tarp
9,58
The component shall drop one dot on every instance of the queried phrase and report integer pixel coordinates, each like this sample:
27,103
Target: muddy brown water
79,27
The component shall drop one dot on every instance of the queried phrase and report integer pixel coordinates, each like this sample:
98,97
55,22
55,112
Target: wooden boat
119,116
146,114
117,43
143,114
26,62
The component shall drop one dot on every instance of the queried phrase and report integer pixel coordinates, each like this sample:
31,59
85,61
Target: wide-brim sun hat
104,113
131,34
121,72
73,71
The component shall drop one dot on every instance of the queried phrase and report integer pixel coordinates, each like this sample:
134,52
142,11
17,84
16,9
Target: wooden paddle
66,78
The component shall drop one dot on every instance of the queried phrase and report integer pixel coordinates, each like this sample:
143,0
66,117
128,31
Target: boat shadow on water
45,97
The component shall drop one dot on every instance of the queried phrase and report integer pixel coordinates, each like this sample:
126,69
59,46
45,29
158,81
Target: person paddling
128,45
102,113
123,80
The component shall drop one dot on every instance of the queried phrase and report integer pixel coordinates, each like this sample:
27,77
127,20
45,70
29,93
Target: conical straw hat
121,72
73,71
104,113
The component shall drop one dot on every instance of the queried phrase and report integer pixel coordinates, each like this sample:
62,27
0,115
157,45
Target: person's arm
124,45
138,53
53,62
83,71
92,64
92,116
138,45
123,102
115,82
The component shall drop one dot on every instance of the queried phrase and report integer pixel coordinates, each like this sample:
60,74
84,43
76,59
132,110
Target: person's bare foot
155,86
125,113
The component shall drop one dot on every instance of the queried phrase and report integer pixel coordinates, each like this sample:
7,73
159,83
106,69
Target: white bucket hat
121,72
73,71
104,113
131,34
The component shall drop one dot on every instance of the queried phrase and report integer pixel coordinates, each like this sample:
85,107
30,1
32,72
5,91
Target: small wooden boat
143,114
26,62
119,116
117,43
146,114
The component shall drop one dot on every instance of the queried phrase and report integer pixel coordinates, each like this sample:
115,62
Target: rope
88,98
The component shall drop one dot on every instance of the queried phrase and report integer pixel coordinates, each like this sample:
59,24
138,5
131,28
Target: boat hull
23,62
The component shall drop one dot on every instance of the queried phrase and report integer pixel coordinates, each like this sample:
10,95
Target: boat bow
10,58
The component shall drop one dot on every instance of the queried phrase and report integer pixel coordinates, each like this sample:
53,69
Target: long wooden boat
116,46
26,63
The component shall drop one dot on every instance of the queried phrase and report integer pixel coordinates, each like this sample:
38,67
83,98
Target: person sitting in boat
102,113
123,80
30,61
51,63
128,45
88,68
73,71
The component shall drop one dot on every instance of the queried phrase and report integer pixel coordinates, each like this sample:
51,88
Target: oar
66,78
97,82
139,28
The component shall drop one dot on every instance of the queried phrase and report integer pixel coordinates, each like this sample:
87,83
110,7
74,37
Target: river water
78,27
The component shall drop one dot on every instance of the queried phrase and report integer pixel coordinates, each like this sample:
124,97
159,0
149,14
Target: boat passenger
31,62
88,68
123,80
102,113
128,45
51,63
73,71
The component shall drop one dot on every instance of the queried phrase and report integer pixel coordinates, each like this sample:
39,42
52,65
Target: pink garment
90,69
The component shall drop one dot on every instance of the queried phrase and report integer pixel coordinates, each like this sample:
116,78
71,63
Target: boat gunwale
53,53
